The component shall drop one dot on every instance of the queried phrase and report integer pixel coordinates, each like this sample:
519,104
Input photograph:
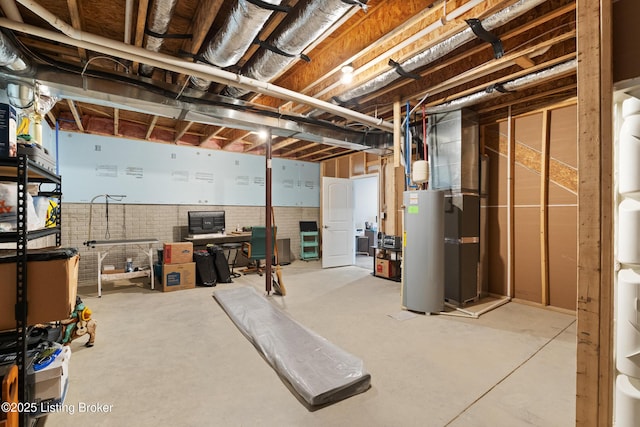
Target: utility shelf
309,245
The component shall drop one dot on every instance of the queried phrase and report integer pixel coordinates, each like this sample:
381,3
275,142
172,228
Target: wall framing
594,379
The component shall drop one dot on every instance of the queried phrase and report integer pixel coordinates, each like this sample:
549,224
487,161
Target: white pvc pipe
110,47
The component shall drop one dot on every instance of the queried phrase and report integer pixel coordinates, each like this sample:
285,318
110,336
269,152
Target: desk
143,245
235,237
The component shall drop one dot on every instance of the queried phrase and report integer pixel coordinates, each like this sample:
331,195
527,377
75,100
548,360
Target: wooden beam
181,129
397,132
76,22
284,143
301,148
594,375
75,114
141,23
304,156
544,205
201,23
51,118
116,121
524,61
151,126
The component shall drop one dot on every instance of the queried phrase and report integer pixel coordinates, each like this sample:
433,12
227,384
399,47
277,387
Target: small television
206,222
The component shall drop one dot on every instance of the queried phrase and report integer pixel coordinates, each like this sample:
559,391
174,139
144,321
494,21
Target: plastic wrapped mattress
319,371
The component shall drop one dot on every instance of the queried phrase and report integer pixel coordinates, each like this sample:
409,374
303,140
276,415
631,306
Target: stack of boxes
176,269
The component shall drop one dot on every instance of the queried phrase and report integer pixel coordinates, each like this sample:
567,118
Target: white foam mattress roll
630,126
629,164
627,401
628,317
628,231
630,106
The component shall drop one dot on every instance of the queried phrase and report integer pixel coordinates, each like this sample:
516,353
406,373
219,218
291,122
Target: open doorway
365,217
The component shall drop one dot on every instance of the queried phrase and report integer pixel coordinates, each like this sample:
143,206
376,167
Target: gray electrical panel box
423,251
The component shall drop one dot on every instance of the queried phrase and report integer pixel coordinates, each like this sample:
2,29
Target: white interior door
338,234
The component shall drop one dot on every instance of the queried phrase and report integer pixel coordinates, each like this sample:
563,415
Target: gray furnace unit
423,251
454,157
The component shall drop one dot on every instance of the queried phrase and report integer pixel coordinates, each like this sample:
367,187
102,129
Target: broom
278,286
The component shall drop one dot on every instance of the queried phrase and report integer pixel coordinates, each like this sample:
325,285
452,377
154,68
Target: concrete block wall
166,223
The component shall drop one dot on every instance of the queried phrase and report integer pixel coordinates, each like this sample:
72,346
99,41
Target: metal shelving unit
24,171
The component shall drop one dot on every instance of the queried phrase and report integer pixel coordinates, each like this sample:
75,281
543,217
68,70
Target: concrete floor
176,359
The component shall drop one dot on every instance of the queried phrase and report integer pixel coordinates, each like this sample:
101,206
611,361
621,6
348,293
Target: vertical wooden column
594,379
511,158
397,133
544,206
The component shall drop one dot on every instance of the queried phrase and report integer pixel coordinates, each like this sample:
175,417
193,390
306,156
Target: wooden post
594,379
511,158
397,131
544,204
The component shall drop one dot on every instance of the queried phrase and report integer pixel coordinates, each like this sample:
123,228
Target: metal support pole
268,221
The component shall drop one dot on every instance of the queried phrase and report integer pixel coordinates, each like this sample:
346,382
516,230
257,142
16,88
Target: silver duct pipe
20,95
235,37
303,27
237,33
120,50
516,84
10,56
160,16
441,49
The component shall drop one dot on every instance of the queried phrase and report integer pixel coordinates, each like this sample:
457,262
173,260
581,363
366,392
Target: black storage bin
205,269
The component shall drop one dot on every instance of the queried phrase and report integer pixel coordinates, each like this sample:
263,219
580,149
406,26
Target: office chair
256,248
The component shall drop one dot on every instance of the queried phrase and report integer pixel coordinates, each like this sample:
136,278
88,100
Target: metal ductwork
158,22
516,84
196,106
10,57
237,33
440,49
303,27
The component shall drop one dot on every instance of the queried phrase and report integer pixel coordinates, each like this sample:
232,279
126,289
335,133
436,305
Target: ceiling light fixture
347,73
347,69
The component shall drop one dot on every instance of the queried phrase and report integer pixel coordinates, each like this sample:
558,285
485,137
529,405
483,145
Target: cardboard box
51,287
49,383
177,253
8,126
387,268
175,277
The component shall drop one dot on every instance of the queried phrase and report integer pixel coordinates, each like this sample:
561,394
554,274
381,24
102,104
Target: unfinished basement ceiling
186,90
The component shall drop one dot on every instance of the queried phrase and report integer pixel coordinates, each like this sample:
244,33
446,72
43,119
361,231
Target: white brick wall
167,223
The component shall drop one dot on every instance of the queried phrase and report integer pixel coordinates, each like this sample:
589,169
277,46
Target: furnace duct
235,37
516,84
10,57
301,29
439,50
159,18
